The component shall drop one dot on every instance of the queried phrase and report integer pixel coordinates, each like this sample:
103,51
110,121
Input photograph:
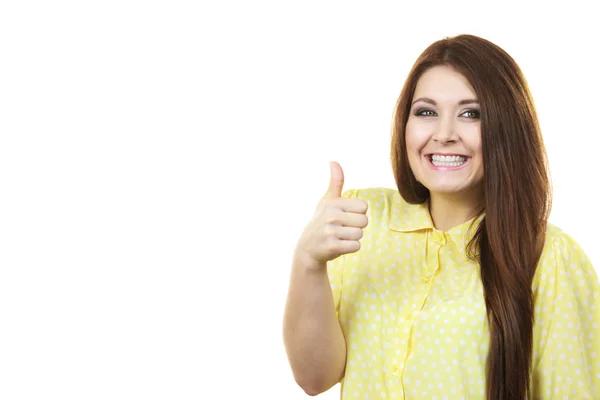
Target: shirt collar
406,217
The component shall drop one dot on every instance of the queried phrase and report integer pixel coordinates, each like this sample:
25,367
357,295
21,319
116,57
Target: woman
459,287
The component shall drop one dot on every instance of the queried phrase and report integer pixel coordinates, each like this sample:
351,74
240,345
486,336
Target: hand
336,227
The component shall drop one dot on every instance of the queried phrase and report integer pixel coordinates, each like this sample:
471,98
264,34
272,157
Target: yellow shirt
412,310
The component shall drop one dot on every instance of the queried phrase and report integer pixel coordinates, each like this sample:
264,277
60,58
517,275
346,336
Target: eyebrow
460,103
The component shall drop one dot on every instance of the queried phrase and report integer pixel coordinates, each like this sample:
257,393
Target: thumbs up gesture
335,228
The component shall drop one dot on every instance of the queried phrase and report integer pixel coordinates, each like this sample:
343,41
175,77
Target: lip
428,158
446,154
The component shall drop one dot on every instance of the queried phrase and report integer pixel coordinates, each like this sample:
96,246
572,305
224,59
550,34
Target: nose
444,131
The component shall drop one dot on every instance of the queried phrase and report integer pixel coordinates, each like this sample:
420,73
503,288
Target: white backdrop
159,159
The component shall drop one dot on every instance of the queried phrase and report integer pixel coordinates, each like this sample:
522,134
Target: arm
567,325
313,338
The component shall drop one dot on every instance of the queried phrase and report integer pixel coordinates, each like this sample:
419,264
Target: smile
447,162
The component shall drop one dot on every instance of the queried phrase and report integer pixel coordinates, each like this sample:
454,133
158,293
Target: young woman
453,286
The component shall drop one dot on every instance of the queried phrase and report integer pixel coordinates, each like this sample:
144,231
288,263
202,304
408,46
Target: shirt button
426,279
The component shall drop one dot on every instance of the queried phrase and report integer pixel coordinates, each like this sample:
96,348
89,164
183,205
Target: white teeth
447,161
438,157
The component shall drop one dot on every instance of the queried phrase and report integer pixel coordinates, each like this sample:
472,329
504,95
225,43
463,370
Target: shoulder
392,211
383,199
563,258
382,202
382,205
559,242
373,194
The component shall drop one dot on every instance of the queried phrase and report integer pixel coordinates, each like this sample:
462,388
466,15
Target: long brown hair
516,200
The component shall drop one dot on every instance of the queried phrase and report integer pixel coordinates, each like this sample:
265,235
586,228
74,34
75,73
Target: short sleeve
566,334
335,267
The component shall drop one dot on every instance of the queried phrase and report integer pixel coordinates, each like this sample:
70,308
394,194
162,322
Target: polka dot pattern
411,307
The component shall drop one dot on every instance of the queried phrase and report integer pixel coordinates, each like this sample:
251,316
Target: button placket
439,238
433,263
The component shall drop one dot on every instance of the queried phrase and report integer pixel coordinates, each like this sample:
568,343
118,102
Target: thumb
336,181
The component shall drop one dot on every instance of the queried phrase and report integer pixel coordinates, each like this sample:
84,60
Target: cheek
478,152
414,143
415,139
472,139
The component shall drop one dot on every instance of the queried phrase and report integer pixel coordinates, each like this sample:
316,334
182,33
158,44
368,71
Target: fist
335,228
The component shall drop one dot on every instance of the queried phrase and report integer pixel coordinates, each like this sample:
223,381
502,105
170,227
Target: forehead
443,82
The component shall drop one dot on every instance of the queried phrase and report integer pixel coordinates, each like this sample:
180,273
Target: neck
448,211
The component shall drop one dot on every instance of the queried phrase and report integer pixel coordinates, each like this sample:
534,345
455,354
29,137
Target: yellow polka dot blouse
412,311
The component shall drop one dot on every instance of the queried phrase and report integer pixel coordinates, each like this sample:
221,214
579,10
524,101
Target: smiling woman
454,284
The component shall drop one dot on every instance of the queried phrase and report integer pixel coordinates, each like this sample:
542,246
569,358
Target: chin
446,189
446,192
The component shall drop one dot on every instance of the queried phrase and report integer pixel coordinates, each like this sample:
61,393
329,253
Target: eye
424,112
473,114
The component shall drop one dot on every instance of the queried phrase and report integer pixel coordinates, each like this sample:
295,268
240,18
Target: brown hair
516,200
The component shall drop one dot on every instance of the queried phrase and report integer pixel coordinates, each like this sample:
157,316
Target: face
443,133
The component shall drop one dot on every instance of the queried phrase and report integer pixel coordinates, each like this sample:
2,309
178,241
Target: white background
159,159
